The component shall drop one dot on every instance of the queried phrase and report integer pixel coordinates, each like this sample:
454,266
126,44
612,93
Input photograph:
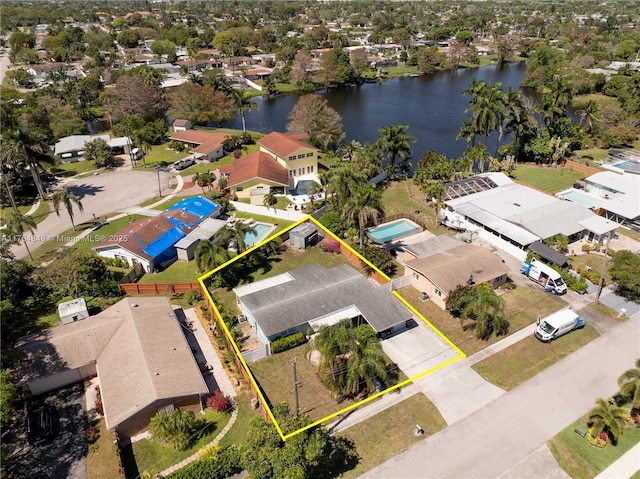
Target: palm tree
488,107
607,418
349,150
363,208
18,225
270,200
518,119
589,112
467,132
210,254
629,383
395,142
238,231
332,342
487,308
243,103
67,198
345,181
365,363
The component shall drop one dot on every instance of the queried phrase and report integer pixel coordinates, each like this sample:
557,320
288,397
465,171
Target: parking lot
63,457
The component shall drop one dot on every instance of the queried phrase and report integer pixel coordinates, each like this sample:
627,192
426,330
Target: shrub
288,342
596,441
175,428
192,296
93,434
99,406
219,402
332,246
586,247
215,463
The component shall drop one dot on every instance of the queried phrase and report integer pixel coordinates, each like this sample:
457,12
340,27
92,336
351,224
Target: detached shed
73,310
303,235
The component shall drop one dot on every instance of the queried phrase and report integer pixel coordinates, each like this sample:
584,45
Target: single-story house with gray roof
71,148
137,349
312,296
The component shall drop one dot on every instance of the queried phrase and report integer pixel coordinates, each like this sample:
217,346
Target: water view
433,106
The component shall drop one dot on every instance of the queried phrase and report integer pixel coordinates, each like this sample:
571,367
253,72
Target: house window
415,276
292,173
292,157
438,293
301,156
309,155
300,171
310,169
239,188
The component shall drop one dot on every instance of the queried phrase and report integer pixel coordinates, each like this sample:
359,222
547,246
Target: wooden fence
586,169
134,275
159,288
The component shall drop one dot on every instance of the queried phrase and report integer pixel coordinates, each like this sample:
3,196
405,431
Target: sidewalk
625,466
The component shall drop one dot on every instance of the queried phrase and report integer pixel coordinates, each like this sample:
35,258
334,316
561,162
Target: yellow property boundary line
284,437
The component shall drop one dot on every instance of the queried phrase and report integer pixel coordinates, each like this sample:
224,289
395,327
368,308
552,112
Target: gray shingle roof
316,292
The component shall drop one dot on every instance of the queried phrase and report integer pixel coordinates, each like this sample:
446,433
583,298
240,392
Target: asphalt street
506,431
109,192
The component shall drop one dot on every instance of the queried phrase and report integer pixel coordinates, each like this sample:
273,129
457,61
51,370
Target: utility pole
604,264
295,386
159,189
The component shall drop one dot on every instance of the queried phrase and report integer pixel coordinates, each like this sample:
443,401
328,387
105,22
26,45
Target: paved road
100,195
502,434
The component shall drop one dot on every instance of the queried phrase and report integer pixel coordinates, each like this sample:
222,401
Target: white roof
76,142
206,230
626,202
559,217
499,225
120,141
599,225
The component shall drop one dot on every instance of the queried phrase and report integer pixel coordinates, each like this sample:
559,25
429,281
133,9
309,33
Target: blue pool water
304,187
250,239
391,231
580,197
625,165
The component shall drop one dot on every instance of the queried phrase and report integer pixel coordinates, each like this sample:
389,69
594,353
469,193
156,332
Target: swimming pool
393,230
625,165
578,196
251,239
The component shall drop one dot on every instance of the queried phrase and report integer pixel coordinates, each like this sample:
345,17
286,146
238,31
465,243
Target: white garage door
55,381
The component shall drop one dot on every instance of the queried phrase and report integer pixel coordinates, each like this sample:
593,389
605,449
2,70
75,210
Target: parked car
41,425
184,163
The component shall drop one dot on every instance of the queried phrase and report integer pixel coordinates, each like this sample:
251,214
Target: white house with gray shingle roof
313,296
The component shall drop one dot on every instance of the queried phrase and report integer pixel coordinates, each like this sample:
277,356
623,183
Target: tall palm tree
488,107
350,149
363,208
65,197
487,308
629,383
237,232
345,181
518,118
27,149
243,103
607,418
210,254
395,142
18,225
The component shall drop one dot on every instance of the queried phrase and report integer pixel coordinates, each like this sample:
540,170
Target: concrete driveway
108,192
418,349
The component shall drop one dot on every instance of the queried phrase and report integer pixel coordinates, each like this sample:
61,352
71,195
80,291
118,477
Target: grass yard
246,415
605,310
593,261
405,197
274,371
67,170
177,272
548,179
634,235
522,306
149,456
397,426
102,459
518,363
580,459
591,154
160,155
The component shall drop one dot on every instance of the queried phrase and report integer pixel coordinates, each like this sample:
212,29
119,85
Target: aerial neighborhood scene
319,239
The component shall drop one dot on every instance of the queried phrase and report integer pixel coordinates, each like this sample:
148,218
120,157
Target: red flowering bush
219,402
99,407
331,246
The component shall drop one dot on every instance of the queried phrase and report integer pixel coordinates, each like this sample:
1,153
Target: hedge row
288,342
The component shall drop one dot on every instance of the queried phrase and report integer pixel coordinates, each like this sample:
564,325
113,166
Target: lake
432,105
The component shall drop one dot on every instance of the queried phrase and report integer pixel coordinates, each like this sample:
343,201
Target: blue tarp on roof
197,206
164,242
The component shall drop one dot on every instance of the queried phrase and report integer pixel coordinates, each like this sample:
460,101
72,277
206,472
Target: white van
557,324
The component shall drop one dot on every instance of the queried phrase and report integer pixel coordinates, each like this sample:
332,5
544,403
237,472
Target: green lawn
581,460
634,235
591,154
71,169
160,155
391,431
102,459
522,306
24,205
178,272
518,363
149,456
605,310
593,261
548,179
246,415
